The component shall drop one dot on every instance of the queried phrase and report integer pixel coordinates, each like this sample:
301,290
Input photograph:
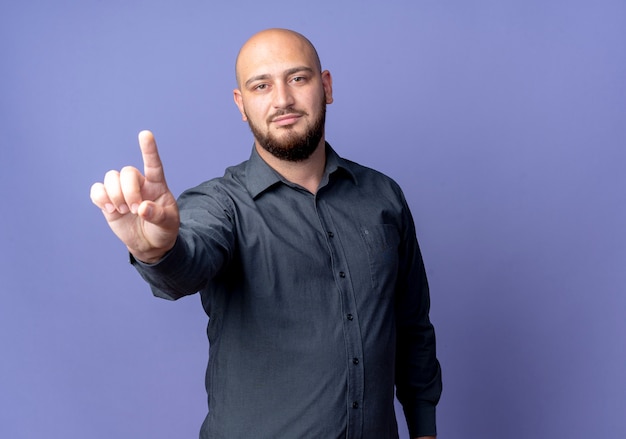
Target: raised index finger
152,166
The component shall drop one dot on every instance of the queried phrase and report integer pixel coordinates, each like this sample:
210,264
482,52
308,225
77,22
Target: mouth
286,119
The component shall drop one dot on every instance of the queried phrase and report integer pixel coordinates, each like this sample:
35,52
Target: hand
140,209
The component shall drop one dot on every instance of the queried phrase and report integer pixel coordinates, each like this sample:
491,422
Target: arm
204,246
418,374
175,249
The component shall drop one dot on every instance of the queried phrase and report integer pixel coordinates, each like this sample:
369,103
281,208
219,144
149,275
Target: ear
327,83
239,102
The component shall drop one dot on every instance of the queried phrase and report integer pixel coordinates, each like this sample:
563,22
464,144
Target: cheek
317,105
255,111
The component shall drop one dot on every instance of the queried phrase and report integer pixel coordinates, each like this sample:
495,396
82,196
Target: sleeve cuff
421,420
157,274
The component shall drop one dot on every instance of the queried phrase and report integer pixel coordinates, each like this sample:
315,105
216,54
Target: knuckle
95,188
130,176
97,193
111,174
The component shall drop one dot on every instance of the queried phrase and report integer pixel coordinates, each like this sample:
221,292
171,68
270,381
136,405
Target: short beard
293,147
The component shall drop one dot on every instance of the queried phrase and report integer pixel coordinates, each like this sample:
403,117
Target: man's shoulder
238,182
234,174
367,176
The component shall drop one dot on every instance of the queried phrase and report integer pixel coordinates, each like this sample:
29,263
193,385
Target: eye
260,87
298,79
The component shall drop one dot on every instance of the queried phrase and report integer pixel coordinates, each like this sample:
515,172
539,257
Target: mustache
285,112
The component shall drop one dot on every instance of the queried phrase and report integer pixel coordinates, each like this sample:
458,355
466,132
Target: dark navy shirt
318,304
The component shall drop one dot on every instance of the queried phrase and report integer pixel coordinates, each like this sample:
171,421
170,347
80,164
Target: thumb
153,213
165,217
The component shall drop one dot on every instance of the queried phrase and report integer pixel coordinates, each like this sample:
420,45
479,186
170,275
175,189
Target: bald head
273,44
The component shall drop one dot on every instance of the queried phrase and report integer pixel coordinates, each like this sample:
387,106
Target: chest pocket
382,241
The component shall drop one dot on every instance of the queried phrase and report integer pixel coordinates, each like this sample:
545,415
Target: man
307,265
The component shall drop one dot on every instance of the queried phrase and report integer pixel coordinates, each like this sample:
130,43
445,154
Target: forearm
182,271
168,276
203,247
418,377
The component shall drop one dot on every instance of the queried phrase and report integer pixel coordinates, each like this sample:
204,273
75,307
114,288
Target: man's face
283,95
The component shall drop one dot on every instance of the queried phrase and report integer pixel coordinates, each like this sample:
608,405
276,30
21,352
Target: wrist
150,257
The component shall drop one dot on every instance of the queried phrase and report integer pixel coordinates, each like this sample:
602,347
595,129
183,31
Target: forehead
274,53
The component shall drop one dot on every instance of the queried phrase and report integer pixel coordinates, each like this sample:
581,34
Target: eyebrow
286,73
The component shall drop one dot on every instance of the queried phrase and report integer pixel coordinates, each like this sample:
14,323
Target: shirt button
355,405
342,274
355,361
350,317
331,234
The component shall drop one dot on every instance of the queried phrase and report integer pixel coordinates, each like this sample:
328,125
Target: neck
306,173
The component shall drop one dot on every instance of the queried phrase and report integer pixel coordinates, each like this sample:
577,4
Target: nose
282,96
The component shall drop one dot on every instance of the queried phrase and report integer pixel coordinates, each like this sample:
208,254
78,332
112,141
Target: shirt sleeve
204,245
418,373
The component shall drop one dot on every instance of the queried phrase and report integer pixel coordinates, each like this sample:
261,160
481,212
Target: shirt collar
261,176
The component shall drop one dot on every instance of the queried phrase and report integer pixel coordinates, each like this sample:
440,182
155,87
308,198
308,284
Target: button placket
351,327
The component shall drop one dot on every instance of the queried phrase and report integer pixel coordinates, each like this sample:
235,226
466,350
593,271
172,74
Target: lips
286,119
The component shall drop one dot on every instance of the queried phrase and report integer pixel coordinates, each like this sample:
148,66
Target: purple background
504,121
